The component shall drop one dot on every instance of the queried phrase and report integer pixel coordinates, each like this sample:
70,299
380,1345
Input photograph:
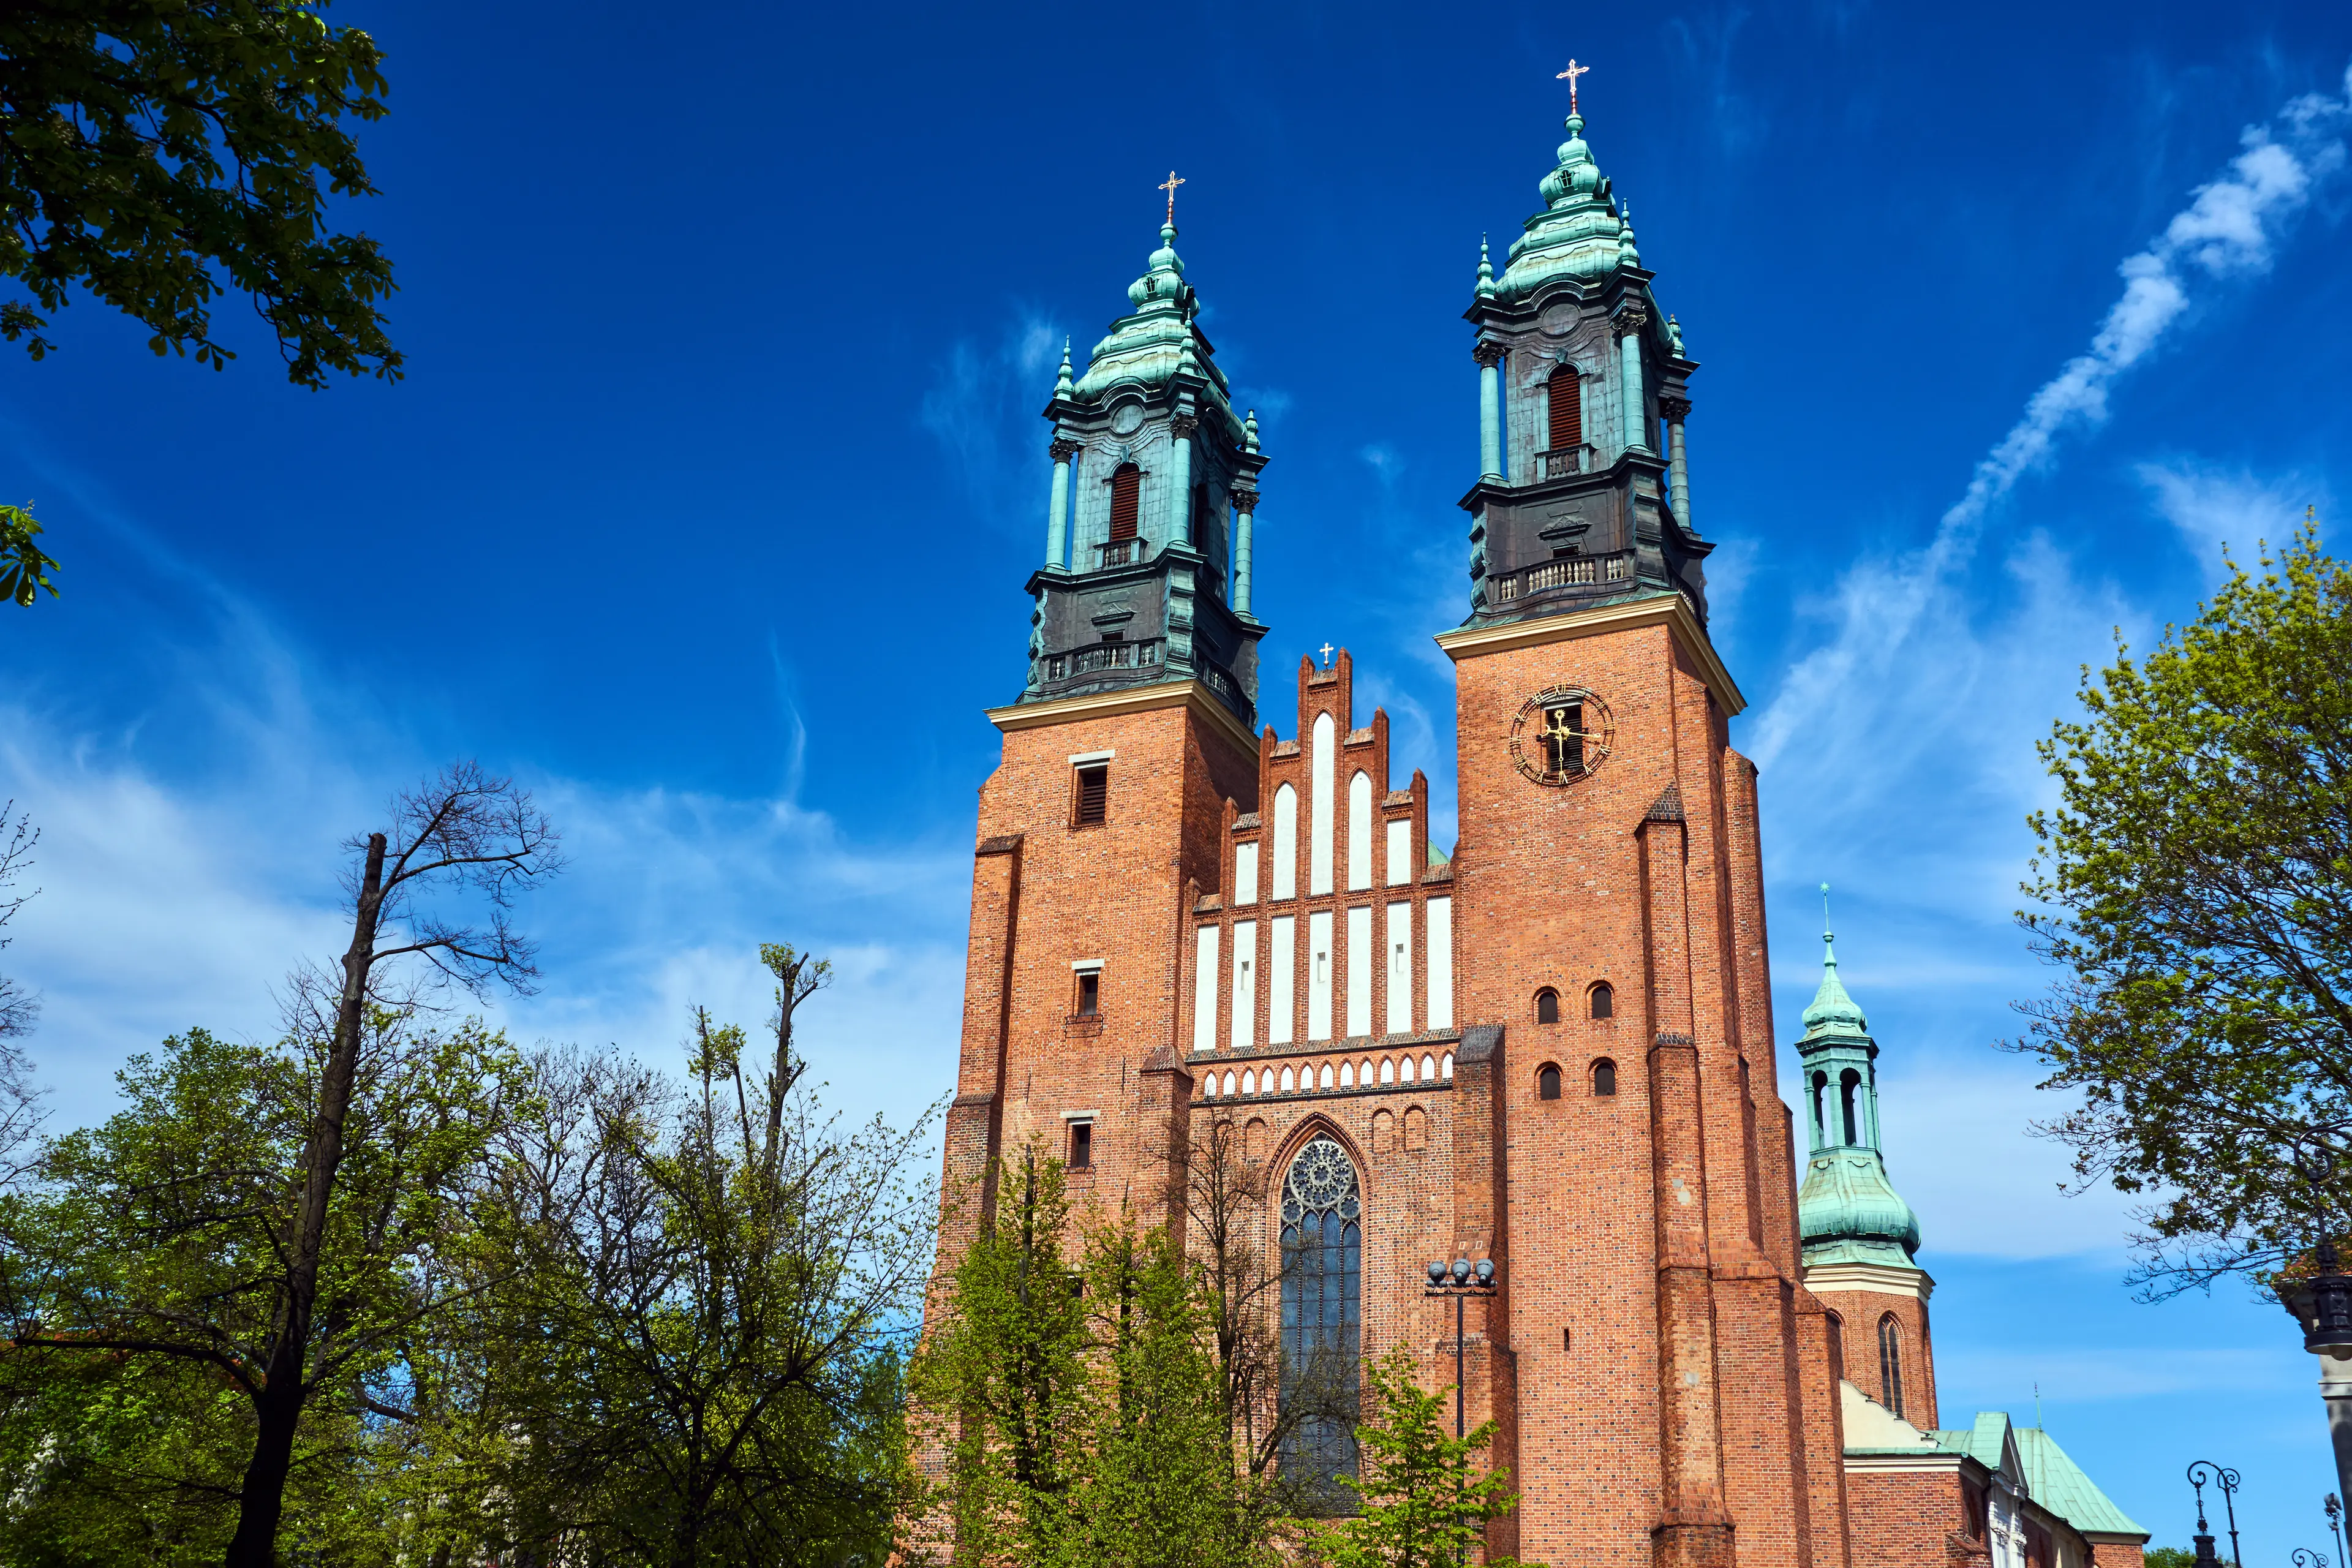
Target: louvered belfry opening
1094,795
1566,399
1126,497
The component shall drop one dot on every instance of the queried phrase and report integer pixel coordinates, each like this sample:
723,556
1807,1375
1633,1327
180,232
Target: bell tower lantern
1584,497
1148,540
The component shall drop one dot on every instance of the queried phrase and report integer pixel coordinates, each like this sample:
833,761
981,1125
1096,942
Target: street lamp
2227,1479
1463,1280
2334,1507
2305,1557
2323,1305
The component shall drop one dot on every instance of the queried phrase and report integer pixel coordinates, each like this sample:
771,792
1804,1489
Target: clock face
1560,736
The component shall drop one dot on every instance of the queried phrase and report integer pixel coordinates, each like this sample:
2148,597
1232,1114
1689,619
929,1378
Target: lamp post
1463,1280
2227,1479
2334,1505
2323,1305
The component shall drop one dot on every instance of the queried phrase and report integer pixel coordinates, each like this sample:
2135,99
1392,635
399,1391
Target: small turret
1847,1211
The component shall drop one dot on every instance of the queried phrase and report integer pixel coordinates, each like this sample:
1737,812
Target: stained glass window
1322,1255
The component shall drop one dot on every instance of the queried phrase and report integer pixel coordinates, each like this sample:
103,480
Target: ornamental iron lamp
2305,1557
2203,1471
2334,1506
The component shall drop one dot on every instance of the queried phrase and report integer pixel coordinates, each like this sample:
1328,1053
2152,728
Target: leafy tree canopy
158,147
2195,885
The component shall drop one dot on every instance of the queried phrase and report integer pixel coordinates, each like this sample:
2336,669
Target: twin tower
1551,1048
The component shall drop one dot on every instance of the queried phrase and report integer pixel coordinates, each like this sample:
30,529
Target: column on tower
1179,481
1630,346
1490,410
1058,510
1245,515
1676,411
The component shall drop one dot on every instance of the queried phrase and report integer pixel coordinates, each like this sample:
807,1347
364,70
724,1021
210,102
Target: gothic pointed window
1322,1260
1566,397
1126,498
1890,1361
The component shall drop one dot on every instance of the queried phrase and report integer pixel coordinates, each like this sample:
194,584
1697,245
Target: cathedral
1530,1081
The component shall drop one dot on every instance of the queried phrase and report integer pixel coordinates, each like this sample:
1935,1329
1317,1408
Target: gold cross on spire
1170,185
1569,76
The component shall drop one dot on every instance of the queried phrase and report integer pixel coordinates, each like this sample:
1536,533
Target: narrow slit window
1548,1082
1604,1077
1094,795
1082,1145
1567,411
1604,1001
1125,499
1848,1082
1547,1007
1089,992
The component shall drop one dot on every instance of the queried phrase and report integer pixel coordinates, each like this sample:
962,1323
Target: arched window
1547,1005
1848,1081
1604,1000
1890,1361
1820,1095
1565,395
1548,1082
1126,497
1604,1077
1322,1247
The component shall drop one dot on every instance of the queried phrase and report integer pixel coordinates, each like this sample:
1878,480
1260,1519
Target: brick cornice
1135,700
1669,610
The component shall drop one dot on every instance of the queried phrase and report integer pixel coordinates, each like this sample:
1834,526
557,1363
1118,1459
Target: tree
275,1328
20,1111
24,568
2195,883
155,147
1002,1374
1263,1402
151,1277
1424,1503
700,1344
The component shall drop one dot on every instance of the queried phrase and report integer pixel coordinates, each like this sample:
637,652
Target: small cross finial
1326,655
1569,76
1825,911
1170,185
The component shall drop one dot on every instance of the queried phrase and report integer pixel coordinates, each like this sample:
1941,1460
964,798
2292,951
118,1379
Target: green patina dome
1580,233
1158,343
1847,1211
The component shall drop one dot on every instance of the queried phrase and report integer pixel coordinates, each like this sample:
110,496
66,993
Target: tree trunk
279,1408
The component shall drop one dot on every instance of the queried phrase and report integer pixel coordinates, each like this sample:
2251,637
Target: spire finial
1170,185
1569,76
1828,936
1062,388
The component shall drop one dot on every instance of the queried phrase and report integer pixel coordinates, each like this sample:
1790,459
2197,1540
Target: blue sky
706,501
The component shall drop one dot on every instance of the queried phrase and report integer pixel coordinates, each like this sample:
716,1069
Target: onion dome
1579,234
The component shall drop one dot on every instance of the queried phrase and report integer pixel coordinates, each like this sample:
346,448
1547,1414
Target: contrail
2227,230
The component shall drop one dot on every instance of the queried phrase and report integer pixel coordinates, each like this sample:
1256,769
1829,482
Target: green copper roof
1833,1012
1158,343
2058,1484
1579,234
1848,1212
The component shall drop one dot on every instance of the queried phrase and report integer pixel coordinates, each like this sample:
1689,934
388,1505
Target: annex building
1551,1048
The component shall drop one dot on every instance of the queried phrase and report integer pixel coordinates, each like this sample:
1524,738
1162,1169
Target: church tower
1662,1372
1107,812
1860,1238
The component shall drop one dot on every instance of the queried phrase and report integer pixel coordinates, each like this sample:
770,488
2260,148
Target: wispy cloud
981,408
180,883
2214,508
2229,229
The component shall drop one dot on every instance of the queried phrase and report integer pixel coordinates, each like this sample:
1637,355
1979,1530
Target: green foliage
158,146
695,1346
2169,1557
1425,1504
2196,885
143,1276
1082,1407
24,568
